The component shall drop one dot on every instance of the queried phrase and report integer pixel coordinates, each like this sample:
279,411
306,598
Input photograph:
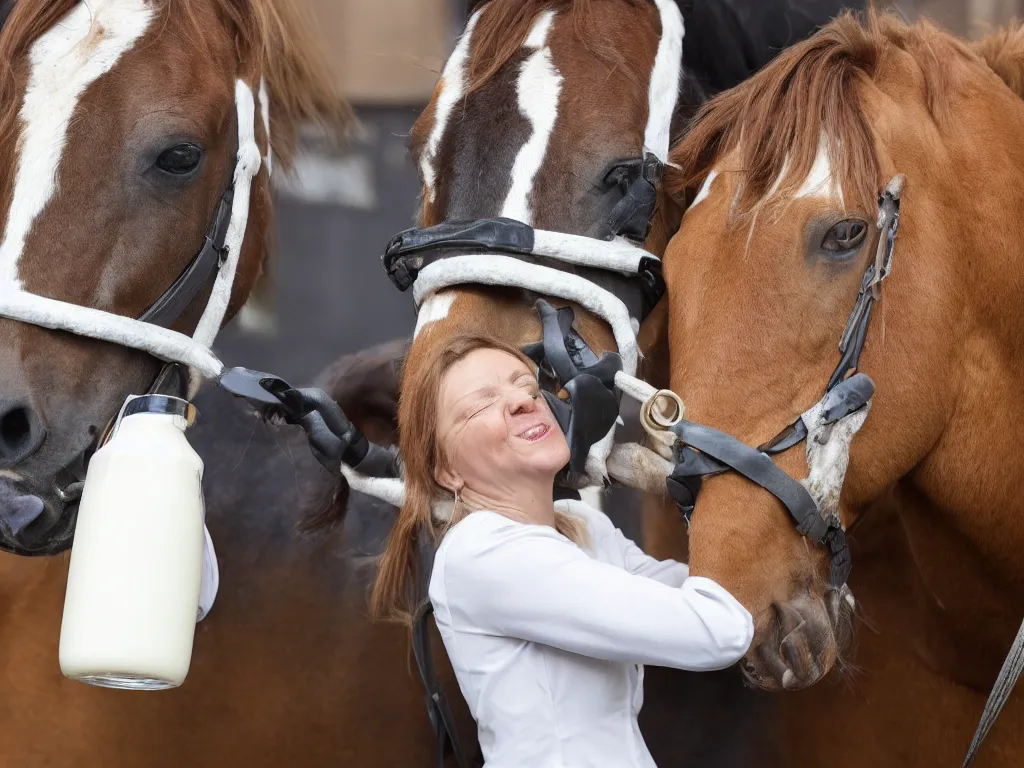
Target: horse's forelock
505,24
808,100
275,41
807,92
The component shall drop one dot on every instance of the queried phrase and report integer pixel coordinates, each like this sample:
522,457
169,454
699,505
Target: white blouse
546,639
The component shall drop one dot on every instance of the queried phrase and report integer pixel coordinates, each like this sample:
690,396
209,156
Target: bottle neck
139,423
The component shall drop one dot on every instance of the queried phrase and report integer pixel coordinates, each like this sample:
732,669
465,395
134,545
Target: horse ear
726,42
366,386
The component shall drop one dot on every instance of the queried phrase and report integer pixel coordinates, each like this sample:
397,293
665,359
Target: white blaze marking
64,61
453,84
539,88
705,189
663,90
820,182
265,114
435,308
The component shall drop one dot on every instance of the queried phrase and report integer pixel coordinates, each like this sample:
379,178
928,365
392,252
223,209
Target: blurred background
340,207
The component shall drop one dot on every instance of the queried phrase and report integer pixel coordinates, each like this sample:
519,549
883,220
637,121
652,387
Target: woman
546,609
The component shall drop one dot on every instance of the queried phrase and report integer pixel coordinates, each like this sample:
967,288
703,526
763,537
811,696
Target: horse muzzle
799,641
34,523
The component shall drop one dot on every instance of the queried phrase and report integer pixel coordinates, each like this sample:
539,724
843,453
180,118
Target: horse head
129,125
852,177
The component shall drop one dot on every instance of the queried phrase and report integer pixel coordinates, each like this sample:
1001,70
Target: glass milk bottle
136,561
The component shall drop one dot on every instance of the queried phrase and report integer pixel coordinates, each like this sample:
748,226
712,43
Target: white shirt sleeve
530,582
639,563
636,560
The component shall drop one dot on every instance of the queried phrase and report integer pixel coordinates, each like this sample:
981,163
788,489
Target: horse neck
1003,52
961,508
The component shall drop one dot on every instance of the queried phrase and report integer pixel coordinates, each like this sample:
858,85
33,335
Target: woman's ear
447,479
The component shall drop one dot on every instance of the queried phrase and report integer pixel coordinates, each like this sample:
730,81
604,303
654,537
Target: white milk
136,562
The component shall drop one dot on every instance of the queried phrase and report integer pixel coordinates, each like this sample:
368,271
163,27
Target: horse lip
69,480
21,510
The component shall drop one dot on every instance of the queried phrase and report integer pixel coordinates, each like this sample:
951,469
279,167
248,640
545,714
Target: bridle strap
173,302
729,453
410,252
851,344
440,713
633,215
705,451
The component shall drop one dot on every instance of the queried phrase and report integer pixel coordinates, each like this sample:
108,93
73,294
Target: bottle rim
161,404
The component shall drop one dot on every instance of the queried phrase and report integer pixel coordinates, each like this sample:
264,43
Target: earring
457,499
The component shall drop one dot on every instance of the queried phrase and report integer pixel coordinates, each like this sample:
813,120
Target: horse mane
273,39
504,25
1003,52
807,95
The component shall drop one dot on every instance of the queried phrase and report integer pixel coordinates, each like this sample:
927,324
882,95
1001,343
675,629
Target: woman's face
493,424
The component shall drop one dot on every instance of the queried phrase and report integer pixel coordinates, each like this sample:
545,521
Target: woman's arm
635,559
639,563
529,582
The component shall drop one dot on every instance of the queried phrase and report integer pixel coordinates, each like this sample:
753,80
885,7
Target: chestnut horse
762,277
139,142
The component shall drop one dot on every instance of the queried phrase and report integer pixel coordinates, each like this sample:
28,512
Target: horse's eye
618,176
844,237
180,159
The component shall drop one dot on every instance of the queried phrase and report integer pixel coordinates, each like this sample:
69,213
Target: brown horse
542,114
284,669
124,122
762,277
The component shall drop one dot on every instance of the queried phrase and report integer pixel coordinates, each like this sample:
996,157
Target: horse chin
49,533
38,518
800,644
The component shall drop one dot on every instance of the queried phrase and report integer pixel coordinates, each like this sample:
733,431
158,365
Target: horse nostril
14,428
21,433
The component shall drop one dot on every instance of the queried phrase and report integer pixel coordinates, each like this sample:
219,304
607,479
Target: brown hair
395,593
504,25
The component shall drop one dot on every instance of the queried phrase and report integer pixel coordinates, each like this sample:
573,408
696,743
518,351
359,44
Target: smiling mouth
533,434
